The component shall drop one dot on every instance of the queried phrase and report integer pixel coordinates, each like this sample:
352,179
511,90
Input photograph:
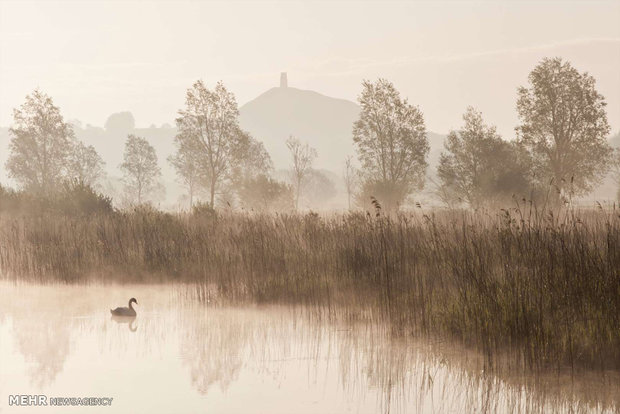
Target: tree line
560,150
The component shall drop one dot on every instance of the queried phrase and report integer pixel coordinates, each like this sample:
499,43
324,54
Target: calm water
179,356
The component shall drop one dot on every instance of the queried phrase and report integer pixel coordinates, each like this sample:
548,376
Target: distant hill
324,122
111,145
435,141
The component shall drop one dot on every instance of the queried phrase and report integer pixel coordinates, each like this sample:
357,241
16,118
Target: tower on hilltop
283,80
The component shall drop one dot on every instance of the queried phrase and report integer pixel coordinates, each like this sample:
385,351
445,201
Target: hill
324,122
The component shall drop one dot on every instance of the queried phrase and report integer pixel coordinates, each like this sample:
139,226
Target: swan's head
133,300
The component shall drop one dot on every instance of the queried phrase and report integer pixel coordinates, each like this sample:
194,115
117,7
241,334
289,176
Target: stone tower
283,80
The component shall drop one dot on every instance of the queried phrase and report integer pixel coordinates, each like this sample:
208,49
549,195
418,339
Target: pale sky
96,58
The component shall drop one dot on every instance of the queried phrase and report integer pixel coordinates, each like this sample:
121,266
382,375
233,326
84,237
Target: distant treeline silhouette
561,141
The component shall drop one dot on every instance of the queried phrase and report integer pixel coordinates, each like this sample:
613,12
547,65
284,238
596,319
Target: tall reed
542,286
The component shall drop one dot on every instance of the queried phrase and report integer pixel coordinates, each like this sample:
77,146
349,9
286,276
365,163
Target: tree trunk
212,193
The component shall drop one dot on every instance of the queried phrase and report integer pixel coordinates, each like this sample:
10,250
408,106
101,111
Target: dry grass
542,287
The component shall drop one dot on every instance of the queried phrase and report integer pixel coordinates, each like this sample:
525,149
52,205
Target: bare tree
86,165
564,126
241,157
350,177
140,170
616,169
444,192
41,143
303,157
187,163
391,142
317,189
210,120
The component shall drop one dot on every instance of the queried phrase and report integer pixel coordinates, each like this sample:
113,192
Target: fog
308,206
181,355
97,58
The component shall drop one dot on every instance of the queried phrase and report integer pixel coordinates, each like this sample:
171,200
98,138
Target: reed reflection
221,348
411,376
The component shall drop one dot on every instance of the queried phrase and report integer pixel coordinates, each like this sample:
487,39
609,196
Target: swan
129,311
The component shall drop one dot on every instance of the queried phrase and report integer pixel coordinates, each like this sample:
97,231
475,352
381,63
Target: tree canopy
86,165
564,126
390,138
41,144
140,170
212,151
478,166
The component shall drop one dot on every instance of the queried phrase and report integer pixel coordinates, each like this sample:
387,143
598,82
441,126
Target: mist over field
412,45
309,207
272,117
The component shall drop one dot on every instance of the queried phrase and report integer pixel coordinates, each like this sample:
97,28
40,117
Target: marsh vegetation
540,286
511,271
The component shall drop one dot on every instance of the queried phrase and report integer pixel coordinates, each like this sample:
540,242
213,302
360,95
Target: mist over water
61,341
421,216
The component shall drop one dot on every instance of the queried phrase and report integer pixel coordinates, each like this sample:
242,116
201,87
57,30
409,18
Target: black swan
129,311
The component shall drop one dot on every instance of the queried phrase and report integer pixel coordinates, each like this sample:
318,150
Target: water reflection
213,349
44,345
256,359
129,320
43,342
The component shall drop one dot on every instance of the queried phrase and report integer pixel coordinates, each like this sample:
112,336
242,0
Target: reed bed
543,287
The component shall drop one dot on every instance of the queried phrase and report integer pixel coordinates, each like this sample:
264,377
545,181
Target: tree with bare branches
303,156
208,125
140,170
350,176
188,165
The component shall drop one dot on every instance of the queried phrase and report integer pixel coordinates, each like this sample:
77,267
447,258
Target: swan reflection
294,355
129,320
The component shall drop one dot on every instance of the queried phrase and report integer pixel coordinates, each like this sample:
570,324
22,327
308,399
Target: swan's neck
130,305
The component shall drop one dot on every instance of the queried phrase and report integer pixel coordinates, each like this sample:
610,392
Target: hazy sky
95,58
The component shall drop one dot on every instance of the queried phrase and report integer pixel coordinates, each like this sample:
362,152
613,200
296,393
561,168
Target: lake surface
183,356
